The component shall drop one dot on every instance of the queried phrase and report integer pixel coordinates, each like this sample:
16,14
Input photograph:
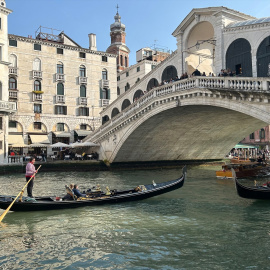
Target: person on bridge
196,72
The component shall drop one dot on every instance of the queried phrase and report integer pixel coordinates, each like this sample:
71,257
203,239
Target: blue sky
148,22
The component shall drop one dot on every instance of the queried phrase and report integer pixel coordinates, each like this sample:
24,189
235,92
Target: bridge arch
263,58
137,94
125,104
115,111
169,73
152,84
238,57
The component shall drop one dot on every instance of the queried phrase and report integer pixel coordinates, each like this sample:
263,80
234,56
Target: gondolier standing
30,170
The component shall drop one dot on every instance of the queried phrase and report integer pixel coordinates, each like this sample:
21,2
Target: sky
148,22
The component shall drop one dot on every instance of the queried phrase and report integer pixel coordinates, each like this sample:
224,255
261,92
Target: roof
248,22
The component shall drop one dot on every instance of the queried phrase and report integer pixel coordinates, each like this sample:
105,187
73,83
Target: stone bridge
193,119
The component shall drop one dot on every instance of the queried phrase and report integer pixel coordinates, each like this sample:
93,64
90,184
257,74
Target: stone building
58,86
6,107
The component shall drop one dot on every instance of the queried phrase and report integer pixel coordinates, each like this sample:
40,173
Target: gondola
252,192
53,203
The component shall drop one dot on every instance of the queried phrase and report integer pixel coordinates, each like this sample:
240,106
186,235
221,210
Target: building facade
58,86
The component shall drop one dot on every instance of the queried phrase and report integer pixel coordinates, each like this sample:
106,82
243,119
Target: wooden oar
21,192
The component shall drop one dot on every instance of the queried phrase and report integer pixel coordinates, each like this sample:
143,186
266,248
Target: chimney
92,42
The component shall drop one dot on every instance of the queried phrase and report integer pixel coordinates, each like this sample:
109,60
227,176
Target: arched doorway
115,111
263,58
169,73
125,104
137,94
152,84
238,58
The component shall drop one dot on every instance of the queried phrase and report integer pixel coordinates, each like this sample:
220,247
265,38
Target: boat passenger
77,192
70,194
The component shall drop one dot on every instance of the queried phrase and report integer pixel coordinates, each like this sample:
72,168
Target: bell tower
118,43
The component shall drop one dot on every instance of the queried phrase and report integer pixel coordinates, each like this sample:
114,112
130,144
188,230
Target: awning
62,134
82,133
41,138
246,146
16,140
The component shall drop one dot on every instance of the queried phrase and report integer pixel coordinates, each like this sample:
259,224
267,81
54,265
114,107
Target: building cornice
5,10
246,27
59,45
139,64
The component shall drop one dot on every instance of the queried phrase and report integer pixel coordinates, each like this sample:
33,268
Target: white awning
16,140
41,138
81,132
62,134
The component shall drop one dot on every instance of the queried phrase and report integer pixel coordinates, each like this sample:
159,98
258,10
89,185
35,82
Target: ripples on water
203,225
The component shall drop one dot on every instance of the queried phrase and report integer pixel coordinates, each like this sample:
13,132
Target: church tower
118,43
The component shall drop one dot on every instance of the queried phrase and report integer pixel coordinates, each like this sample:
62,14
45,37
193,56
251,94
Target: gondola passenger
70,194
77,192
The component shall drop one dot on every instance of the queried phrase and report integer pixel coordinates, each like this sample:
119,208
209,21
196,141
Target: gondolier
30,170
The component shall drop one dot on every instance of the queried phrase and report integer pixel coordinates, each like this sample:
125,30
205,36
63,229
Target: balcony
7,106
36,74
60,99
82,80
82,101
59,77
104,102
13,94
37,97
13,71
104,83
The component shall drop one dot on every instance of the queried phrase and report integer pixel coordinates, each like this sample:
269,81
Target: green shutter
100,93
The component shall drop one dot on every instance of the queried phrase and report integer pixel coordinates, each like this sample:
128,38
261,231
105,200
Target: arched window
126,62
115,111
121,60
137,95
37,85
263,58
152,84
82,71
13,60
125,104
12,83
60,68
60,89
104,74
127,87
169,73
118,91
82,91
262,133
37,65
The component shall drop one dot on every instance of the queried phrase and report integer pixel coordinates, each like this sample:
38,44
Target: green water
204,225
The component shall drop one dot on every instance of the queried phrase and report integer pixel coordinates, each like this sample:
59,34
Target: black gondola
51,203
252,192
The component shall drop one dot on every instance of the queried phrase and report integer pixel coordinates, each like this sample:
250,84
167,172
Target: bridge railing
233,83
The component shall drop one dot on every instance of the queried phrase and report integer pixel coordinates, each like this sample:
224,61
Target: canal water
203,225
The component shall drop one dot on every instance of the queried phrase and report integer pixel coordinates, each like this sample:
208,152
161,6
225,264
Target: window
104,58
60,89
82,91
104,74
262,133
60,127
61,110
37,47
59,51
13,42
127,87
82,71
1,145
138,69
118,91
83,126
127,74
37,64
83,111
251,136
81,54
12,83
60,69
153,66
12,124
0,24
37,85
1,123
118,78
37,108
104,93
121,60
37,125
126,62
138,80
